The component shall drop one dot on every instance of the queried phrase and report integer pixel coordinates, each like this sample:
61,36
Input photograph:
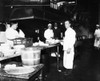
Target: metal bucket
30,56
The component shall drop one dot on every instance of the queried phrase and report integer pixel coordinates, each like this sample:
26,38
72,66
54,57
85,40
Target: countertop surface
40,47
23,76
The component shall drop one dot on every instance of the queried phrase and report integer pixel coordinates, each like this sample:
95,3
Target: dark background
87,15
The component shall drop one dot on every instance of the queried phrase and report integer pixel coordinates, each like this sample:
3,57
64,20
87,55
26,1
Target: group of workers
52,33
68,43
68,40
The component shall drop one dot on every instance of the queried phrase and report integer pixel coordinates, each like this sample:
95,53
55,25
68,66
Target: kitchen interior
31,56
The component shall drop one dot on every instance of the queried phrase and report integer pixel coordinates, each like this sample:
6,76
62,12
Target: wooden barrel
30,56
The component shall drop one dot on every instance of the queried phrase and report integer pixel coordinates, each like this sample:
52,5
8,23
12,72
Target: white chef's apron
68,59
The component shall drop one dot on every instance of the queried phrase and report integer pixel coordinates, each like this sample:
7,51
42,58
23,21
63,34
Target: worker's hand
68,50
61,42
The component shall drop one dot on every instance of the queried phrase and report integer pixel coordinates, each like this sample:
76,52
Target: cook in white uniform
12,33
48,34
68,46
97,37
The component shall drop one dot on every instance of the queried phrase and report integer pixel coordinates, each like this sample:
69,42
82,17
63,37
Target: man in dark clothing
57,32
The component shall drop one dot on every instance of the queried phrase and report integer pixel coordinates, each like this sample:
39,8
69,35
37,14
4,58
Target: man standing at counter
68,47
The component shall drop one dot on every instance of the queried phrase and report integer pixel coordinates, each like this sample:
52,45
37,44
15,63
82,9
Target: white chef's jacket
97,38
97,33
12,34
48,34
69,41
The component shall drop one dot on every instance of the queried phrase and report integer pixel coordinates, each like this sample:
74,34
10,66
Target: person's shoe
67,72
53,54
59,70
75,66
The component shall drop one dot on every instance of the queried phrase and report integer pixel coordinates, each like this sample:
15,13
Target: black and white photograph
49,40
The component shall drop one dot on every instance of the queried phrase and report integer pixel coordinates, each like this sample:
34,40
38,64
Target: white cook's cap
49,24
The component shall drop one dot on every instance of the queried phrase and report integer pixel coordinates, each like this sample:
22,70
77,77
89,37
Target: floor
87,62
